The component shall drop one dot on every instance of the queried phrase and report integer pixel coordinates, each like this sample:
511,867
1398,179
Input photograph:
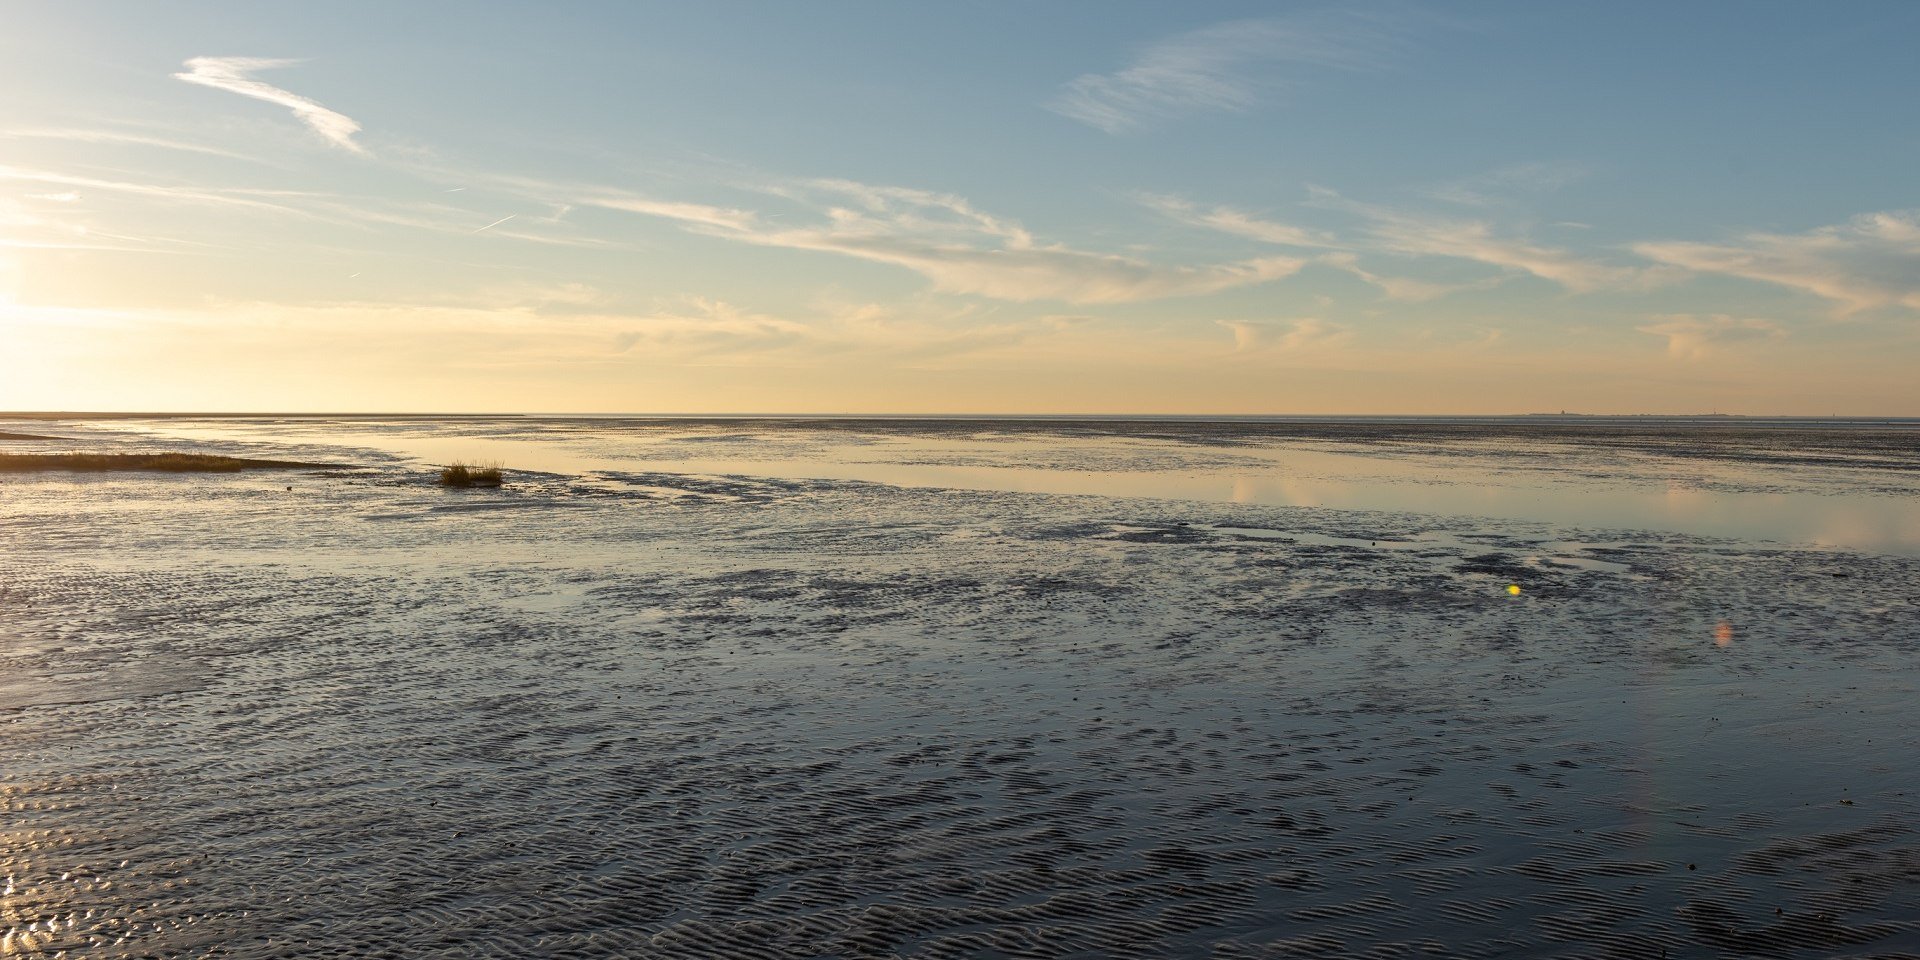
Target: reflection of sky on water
1550,482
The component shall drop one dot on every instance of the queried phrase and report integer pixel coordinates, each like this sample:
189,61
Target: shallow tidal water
709,689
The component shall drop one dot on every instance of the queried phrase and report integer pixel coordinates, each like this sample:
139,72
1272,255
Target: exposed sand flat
666,715
1837,485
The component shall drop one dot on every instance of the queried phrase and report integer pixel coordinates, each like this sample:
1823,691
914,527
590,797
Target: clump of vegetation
164,462
462,474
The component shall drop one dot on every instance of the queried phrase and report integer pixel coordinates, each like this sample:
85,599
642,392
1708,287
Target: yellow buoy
1513,588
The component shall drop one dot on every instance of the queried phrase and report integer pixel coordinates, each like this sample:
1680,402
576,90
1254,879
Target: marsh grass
162,462
462,474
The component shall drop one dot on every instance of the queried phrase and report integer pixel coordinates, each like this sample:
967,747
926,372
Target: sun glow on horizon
299,225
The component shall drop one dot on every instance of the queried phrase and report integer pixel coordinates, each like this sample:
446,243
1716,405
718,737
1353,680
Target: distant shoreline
142,462
1488,418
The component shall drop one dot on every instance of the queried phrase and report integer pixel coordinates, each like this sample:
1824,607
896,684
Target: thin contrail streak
496,223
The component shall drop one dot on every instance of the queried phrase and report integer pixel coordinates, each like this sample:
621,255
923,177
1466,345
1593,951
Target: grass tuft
462,474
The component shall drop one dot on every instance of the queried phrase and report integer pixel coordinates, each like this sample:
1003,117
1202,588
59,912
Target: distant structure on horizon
1663,416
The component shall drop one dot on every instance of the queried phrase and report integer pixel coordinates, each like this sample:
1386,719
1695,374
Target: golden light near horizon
313,227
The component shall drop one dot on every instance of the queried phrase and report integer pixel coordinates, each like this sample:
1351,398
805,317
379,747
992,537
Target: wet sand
661,715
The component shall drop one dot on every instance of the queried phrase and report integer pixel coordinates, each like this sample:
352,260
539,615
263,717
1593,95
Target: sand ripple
840,720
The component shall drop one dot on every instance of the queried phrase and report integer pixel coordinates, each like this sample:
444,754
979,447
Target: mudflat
621,709
157,462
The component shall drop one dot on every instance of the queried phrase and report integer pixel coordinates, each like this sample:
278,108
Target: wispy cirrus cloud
1692,337
1504,182
698,214
363,212
1405,233
160,192
1226,67
122,137
919,335
21,228
1283,335
1872,260
452,220
234,75
1419,234
703,326
1400,288
1239,223
959,248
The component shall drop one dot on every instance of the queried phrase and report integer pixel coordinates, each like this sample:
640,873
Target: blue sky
1069,207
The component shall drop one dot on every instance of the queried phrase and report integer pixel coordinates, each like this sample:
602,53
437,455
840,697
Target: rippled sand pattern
658,716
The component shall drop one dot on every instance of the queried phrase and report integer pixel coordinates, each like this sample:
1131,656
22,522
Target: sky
1000,208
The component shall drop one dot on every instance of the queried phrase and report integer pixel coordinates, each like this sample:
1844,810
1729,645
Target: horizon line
849,415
